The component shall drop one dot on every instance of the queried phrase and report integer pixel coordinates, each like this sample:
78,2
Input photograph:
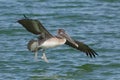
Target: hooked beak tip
76,45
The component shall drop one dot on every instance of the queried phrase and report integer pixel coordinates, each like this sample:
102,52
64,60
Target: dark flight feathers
84,48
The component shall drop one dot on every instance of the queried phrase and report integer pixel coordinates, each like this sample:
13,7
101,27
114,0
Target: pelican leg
36,54
44,57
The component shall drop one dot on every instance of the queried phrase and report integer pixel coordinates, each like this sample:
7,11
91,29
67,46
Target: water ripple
94,22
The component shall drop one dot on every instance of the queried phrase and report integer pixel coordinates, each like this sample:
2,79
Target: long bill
70,39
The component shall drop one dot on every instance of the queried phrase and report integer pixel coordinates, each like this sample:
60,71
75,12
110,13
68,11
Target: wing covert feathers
34,26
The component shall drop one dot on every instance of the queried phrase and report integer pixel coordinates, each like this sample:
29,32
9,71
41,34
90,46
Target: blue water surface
94,22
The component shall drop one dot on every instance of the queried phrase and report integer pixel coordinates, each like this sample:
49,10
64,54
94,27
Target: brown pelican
47,40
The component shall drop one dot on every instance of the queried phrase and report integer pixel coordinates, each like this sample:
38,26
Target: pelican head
63,34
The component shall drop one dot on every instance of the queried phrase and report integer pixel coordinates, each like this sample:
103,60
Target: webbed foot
45,58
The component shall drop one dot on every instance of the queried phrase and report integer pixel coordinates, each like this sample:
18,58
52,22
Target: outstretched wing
83,47
35,27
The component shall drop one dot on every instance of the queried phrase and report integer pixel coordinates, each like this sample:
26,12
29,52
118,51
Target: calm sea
94,22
